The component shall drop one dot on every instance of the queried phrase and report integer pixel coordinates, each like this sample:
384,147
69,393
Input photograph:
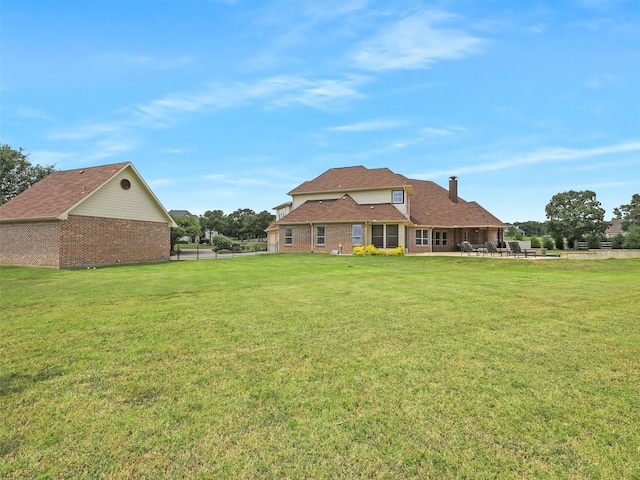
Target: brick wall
304,239
34,244
91,241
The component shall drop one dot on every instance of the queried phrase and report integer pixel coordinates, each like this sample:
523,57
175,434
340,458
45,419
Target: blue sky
231,104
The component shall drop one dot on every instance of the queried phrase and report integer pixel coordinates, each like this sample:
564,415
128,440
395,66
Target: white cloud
545,155
415,43
431,132
44,157
127,60
368,126
160,182
32,113
602,81
85,132
323,94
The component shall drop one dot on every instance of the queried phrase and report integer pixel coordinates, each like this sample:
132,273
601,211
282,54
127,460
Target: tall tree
256,224
532,228
17,173
239,223
630,213
187,227
214,221
574,215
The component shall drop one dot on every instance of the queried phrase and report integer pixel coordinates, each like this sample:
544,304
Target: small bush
223,250
593,241
204,241
548,243
617,241
535,242
559,243
220,242
396,252
370,250
632,238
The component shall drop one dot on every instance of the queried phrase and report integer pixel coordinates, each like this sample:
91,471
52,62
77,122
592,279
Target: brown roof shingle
430,203
58,192
350,179
431,206
343,209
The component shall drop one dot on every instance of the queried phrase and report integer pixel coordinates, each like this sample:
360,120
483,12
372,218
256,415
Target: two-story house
353,206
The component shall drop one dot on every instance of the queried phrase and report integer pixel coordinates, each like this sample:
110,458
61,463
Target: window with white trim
441,238
422,237
320,235
397,196
356,235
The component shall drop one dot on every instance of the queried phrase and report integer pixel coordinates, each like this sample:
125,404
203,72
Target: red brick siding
91,241
304,239
34,244
411,243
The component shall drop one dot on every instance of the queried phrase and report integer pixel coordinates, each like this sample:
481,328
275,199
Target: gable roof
340,210
54,196
431,206
351,179
183,213
615,227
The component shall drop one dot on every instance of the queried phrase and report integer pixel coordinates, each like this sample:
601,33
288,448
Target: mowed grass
317,366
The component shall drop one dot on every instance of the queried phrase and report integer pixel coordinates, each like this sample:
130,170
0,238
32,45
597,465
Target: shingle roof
350,179
58,192
430,203
615,227
343,209
431,206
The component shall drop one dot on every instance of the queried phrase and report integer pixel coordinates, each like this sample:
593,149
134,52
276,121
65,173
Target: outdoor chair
516,251
466,247
491,249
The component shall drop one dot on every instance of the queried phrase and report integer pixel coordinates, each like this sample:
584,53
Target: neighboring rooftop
58,192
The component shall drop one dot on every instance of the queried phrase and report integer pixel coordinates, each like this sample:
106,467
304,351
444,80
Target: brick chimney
453,189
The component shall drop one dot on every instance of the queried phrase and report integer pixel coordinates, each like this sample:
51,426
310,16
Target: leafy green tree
630,213
632,238
240,223
256,225
17,173
513,232
574,215
214,221
187,227
532,228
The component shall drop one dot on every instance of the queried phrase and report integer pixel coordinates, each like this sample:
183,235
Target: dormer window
397,196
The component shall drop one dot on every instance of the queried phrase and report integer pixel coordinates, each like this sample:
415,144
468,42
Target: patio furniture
466,247
516,250
492,250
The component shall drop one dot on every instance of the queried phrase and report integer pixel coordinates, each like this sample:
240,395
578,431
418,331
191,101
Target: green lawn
320,366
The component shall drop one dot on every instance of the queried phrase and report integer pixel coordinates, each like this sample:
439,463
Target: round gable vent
126,184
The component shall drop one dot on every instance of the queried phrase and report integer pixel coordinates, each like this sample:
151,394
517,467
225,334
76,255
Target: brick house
614,228
85,217
352,206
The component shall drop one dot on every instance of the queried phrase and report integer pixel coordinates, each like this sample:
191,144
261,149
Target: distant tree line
17,173
571,216
242,224
578,216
